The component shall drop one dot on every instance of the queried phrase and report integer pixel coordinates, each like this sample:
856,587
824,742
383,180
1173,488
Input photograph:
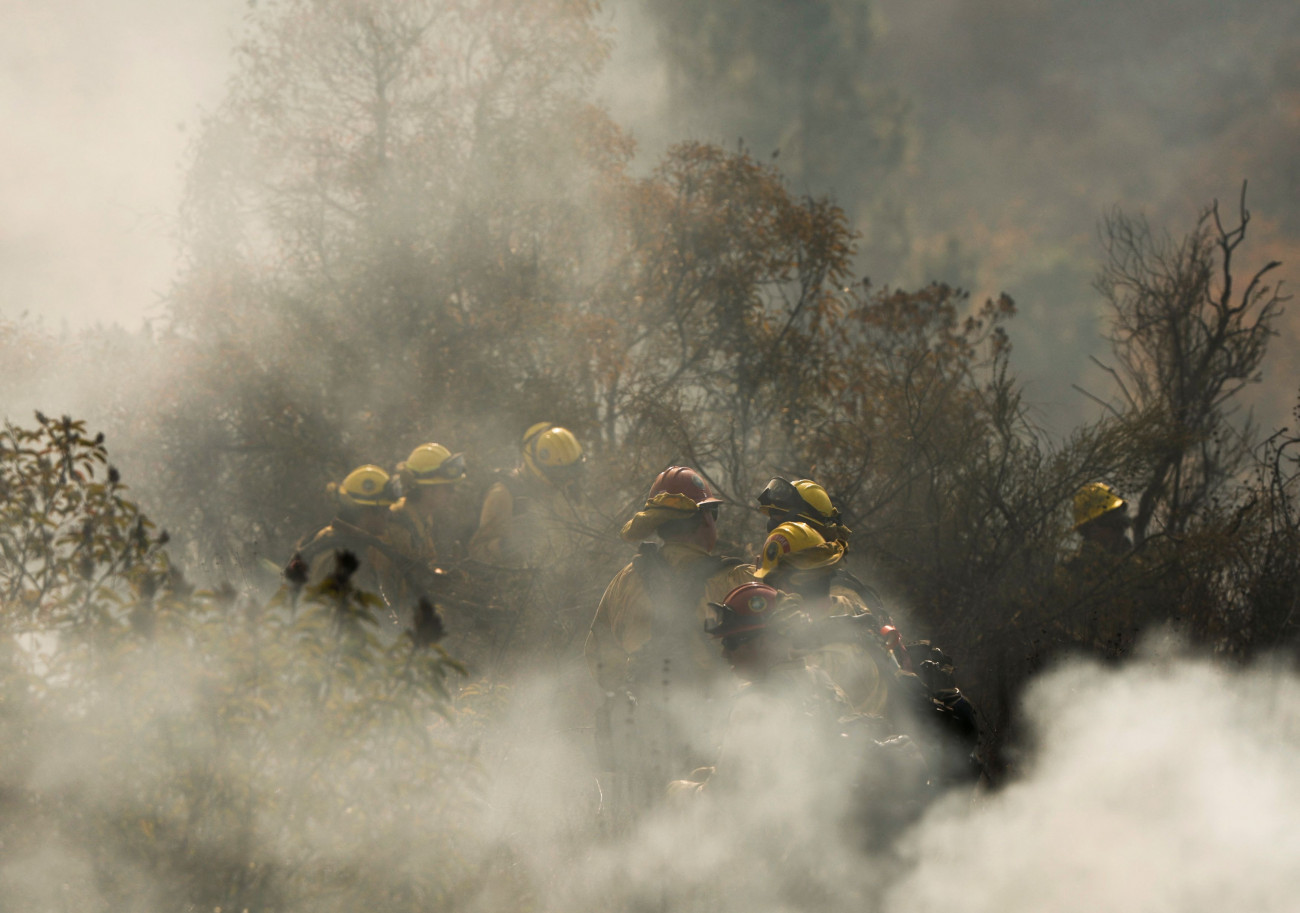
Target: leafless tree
1186,336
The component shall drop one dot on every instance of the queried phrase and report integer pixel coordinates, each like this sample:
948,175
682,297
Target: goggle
710,509
720,613
780,494
542,428
566,473
451,468
780,499
733,642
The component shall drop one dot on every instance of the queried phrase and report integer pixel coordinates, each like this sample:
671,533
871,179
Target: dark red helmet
748,607
683,480
678,493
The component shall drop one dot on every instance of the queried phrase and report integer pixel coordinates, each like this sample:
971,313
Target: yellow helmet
799,546
366,486
805,501
1095,500
816,496
433,464
551,452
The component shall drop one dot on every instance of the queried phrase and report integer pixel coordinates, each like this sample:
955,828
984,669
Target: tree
731,281
389,227
1186,338
794,78
71,544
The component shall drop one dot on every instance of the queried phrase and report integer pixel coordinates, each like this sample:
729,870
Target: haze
99,102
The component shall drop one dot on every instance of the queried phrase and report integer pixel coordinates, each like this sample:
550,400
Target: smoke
1165,784
99,104
1037,118
1003,132
1168,784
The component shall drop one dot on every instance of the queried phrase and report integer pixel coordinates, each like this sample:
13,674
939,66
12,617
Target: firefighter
1105,591
912,685
361,519
428,480
530,515
362,501
792,730
805,501
753,625
1101,518
646,646
522,558
797,560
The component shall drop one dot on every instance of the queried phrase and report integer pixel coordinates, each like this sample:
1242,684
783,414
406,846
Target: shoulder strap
673,590
851,581
652,567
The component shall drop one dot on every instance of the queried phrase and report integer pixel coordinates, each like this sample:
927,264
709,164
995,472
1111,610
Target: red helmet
677,493
746,608
682,480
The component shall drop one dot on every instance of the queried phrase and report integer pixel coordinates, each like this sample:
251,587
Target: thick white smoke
100,102
1165,784
1168,784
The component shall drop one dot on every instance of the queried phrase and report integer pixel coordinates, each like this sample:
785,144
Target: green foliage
164,748
71,546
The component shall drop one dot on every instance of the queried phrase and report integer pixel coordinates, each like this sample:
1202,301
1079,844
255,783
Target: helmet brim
643,525
1119,504
725,630
730,622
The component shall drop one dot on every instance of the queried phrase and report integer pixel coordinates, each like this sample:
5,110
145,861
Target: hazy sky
1029,120
99,101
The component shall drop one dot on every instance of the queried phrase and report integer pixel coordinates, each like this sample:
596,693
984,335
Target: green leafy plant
171,747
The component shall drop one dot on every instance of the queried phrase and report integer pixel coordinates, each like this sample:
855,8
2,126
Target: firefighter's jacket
858,673
846,652
408,535
526,524
385,570
666,684
1102,600
843,640
655,610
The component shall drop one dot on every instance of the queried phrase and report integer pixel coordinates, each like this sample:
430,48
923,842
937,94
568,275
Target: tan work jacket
630,615
543,533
